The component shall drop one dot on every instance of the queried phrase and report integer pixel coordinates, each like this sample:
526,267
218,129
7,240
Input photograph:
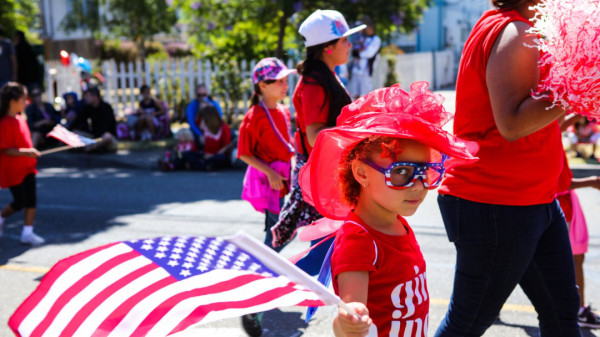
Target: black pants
24,194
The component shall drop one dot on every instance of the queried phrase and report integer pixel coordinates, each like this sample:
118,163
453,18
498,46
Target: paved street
86,201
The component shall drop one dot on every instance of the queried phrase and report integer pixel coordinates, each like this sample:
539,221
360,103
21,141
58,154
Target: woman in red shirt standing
501,213
318,98
18,159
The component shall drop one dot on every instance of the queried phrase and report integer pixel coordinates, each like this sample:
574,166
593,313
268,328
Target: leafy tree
20,15
137,20
252,29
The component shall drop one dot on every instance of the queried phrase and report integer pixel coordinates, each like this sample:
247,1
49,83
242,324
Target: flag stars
175,256
162,248
180,245
173,263
185,273
160,255
147,247
178,250
187,265
243,257
190,259
148,241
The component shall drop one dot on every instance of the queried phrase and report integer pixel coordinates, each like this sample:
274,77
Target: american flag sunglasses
402,175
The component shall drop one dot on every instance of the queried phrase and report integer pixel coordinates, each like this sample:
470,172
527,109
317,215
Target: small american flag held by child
70,138
161,286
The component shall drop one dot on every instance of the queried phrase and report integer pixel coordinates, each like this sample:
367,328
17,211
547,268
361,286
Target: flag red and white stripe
157,287
70,138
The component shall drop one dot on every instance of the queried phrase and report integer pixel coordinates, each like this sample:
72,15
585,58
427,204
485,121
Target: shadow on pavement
535,331
532,331
278,323
80,195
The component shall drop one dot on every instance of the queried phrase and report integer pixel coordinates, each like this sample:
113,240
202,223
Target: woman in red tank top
500,212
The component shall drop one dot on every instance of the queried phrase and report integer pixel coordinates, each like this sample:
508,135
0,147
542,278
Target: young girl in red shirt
18,159
318,98
371,171
264,141
264,144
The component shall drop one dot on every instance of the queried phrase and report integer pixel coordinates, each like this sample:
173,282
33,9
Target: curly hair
350,187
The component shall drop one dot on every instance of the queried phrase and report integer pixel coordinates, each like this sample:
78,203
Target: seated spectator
216,140
174,160
41,118
584,131
96,120
71,108
147,124
194,107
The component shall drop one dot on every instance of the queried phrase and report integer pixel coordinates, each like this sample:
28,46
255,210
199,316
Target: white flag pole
284,267
56,149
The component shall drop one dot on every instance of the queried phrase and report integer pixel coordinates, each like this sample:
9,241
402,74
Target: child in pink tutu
578,234
371,171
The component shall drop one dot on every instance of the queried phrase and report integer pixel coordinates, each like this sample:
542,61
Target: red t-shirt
14,133
213,143
523,172
257,137
312,106
398,300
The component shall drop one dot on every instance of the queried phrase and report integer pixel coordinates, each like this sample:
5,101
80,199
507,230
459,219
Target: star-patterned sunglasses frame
404,174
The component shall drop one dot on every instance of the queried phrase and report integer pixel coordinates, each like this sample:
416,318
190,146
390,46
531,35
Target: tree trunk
280,35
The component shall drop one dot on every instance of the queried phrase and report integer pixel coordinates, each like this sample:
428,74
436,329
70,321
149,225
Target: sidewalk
130,155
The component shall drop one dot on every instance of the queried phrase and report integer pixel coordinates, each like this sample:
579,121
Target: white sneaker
32,239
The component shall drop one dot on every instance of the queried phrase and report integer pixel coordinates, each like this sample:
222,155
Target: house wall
56,39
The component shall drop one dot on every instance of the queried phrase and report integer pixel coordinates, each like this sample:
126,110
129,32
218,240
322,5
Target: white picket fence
174,80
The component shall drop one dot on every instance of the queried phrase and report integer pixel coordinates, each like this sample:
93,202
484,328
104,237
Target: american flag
157,287
70,138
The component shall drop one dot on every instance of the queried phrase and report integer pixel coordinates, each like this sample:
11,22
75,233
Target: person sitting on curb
41,118
193,109
97,120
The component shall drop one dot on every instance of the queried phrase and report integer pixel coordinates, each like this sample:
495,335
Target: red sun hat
393,112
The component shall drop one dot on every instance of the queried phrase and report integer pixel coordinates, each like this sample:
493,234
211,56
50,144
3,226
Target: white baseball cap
324,26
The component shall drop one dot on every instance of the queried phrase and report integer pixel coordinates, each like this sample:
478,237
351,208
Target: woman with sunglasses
501,213
371,171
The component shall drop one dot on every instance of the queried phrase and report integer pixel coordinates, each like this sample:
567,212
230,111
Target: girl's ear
262,86
359,172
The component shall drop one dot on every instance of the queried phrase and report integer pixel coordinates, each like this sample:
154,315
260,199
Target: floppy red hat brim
319,178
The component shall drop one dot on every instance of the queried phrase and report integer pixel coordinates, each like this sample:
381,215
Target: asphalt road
87,201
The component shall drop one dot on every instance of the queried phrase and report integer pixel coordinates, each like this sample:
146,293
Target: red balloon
64,58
